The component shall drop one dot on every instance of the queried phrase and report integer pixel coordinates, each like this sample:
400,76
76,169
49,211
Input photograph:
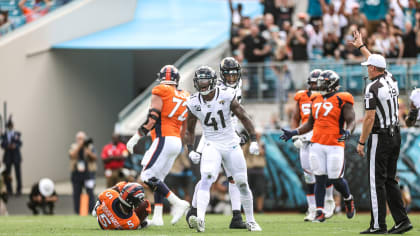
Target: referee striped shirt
382,95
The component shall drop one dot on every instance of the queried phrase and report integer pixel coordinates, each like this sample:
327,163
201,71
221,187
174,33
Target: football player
213,107
413,115
302,142
329,111
230,74
116,210
166,116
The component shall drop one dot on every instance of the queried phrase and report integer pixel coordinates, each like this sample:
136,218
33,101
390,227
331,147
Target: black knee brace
152,183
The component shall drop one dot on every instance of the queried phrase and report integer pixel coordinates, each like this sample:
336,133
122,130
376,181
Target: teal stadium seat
400,73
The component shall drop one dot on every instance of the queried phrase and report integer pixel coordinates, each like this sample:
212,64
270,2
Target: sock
246,200
158,198
310,196
329,192
157,211
235,197
321,181
342,187
194,199
203,197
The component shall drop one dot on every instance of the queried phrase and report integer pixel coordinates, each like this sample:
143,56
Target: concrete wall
53,94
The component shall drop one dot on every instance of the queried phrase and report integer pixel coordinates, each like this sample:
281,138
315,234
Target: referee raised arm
382,133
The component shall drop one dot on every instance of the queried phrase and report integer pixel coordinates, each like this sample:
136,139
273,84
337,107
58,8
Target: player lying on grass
122,207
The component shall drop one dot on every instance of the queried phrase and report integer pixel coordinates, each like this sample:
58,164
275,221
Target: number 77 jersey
215,116
173,113
328,117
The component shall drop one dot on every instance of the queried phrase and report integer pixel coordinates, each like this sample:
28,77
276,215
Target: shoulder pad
346,97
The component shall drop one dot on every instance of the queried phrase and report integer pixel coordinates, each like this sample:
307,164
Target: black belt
391,130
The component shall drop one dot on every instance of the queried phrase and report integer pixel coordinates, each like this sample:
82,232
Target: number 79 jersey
328,117
215,116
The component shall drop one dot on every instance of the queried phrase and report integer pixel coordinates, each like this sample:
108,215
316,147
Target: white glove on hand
195,157
254,149
132,142
94,209
415,97
297,141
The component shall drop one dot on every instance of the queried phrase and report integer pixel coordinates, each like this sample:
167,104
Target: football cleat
156,221
192,212
237,222
320,216
350,210
253,226
179,210
310,216
329,208
201,225
374,231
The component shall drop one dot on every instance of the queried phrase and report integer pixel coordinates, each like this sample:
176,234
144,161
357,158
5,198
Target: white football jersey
415,99
238,95
215,116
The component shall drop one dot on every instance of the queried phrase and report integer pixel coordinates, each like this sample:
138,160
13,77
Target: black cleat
401,228
374,231
191,212
350,210
237,222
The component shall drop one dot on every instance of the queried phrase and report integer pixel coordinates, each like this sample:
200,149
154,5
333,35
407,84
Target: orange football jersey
304,101
109,217
328,118
173,113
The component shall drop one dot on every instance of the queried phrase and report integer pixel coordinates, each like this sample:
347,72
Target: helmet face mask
230,72
205,80
169,74
132,195
328,82
313,79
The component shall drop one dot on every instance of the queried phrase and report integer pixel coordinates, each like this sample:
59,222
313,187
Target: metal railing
272,81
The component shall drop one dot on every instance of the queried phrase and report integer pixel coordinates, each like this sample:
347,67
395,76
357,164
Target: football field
272,224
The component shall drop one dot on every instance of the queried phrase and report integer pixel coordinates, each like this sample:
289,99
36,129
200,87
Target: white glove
94,209
195,157
297,141
132,142
415,97
254,149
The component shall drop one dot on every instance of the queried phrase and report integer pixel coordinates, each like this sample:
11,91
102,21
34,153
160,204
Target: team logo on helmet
328,82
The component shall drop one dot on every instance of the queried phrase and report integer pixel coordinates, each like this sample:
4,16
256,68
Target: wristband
363,144
363,45
190,148
253,137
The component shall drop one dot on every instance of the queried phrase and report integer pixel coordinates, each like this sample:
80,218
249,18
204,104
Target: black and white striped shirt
382,95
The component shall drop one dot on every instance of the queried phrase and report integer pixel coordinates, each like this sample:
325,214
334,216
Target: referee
382,133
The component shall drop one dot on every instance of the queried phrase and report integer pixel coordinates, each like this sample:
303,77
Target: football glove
254,149
415,97
195,157
297,141
288,134
346,135
132,142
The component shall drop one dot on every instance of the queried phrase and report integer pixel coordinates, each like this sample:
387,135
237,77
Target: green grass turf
272,224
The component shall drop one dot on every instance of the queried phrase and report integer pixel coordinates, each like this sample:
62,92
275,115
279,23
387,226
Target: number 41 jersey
215,116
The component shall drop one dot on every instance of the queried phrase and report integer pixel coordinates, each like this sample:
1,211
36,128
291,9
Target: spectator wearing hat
43,197
11,144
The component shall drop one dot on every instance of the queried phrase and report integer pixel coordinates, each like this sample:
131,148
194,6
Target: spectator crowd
390,27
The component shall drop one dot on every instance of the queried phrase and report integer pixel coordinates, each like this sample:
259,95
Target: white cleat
192,222
201,225
156,222
253,226
310,216
179,210
329,207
